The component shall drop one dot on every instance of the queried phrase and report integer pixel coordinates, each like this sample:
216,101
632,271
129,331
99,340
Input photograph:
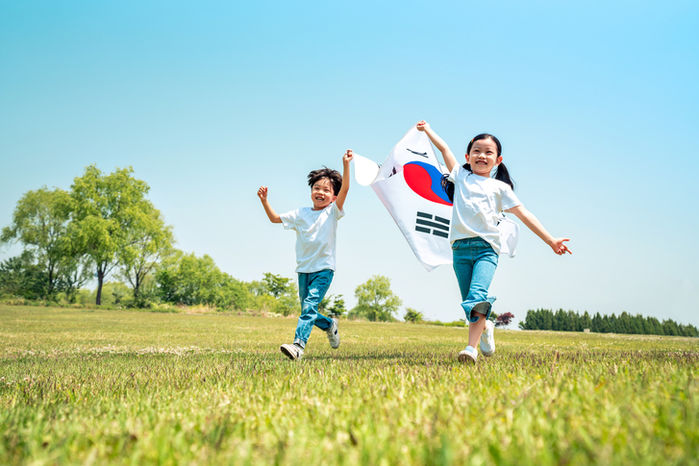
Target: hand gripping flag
409,186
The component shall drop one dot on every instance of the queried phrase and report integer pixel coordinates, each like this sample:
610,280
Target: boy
316,229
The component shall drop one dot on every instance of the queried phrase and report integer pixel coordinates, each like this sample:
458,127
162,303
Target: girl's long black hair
501,173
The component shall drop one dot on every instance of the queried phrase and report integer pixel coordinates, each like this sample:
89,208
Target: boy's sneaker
469,355
333,335
488,339
292,351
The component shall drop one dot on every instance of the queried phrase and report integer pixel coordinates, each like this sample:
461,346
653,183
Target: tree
106,210
150,240
190,280
413,316
375,300
275,294
276,285
40,222
332,305
19,277
75,272
187,279
503,320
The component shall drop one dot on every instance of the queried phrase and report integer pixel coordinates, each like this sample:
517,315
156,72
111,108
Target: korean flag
409,185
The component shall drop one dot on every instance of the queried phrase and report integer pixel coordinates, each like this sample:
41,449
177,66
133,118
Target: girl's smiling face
322,194
483,157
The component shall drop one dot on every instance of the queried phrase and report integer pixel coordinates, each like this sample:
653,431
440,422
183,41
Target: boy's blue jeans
475,262
312,289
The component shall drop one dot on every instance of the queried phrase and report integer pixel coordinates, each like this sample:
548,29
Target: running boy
316,229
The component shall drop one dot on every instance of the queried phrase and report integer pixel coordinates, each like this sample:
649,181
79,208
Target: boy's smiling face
322,194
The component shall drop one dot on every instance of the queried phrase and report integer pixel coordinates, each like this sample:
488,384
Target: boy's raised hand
347,158
271,214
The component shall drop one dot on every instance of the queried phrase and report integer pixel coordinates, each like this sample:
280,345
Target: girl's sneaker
469,355
488,339
333,335
292,351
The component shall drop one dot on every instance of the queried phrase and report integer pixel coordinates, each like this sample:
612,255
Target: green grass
81,386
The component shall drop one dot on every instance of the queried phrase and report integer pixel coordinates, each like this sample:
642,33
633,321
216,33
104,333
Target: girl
478,200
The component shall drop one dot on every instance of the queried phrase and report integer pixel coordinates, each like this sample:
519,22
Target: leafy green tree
413,316
114,293
40,222
276,285
189,280
332,305
75,273
106,210
337,308
233,294
375,300
19,277
275,293
149,241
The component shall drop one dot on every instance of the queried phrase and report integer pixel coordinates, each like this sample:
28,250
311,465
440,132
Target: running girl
478,201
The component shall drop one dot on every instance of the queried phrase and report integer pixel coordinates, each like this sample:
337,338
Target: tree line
546,319
104,223
105,227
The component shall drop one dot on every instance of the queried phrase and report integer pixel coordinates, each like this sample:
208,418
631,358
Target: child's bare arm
533,223
262,194
342,195
449,159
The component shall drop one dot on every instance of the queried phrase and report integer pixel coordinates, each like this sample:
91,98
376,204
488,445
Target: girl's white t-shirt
478,202
315,236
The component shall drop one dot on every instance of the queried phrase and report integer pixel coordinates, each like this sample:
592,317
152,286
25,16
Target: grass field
81,386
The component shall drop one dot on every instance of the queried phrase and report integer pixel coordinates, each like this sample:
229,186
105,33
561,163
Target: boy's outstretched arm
533,223
449,159
342,195
262,194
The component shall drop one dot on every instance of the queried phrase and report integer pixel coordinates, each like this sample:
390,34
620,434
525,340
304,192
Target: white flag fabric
509,234
409,185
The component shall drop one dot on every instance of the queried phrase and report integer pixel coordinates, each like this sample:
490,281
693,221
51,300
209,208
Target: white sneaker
470,354
333,335
292,351
488,339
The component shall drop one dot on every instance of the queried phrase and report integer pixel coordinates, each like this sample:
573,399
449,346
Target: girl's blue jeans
475,262
312,289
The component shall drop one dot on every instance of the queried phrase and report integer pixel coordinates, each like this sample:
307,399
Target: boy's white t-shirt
478,201
315,236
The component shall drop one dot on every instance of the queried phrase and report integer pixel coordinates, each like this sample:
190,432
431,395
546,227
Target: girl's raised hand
422,125
560,248
262,193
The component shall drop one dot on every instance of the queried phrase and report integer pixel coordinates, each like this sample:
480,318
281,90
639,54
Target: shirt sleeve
454,173
337,212
289,219
508,198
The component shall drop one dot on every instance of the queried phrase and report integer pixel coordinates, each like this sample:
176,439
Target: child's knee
479,311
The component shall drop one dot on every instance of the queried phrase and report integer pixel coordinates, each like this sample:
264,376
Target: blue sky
596,105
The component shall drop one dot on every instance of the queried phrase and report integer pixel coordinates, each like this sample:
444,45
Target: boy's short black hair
325,172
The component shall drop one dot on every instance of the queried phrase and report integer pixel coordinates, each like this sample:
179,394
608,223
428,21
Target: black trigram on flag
428,223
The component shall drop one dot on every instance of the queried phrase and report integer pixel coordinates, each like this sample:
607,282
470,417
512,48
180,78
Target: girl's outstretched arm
449,159
342,195
533,223
262,194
